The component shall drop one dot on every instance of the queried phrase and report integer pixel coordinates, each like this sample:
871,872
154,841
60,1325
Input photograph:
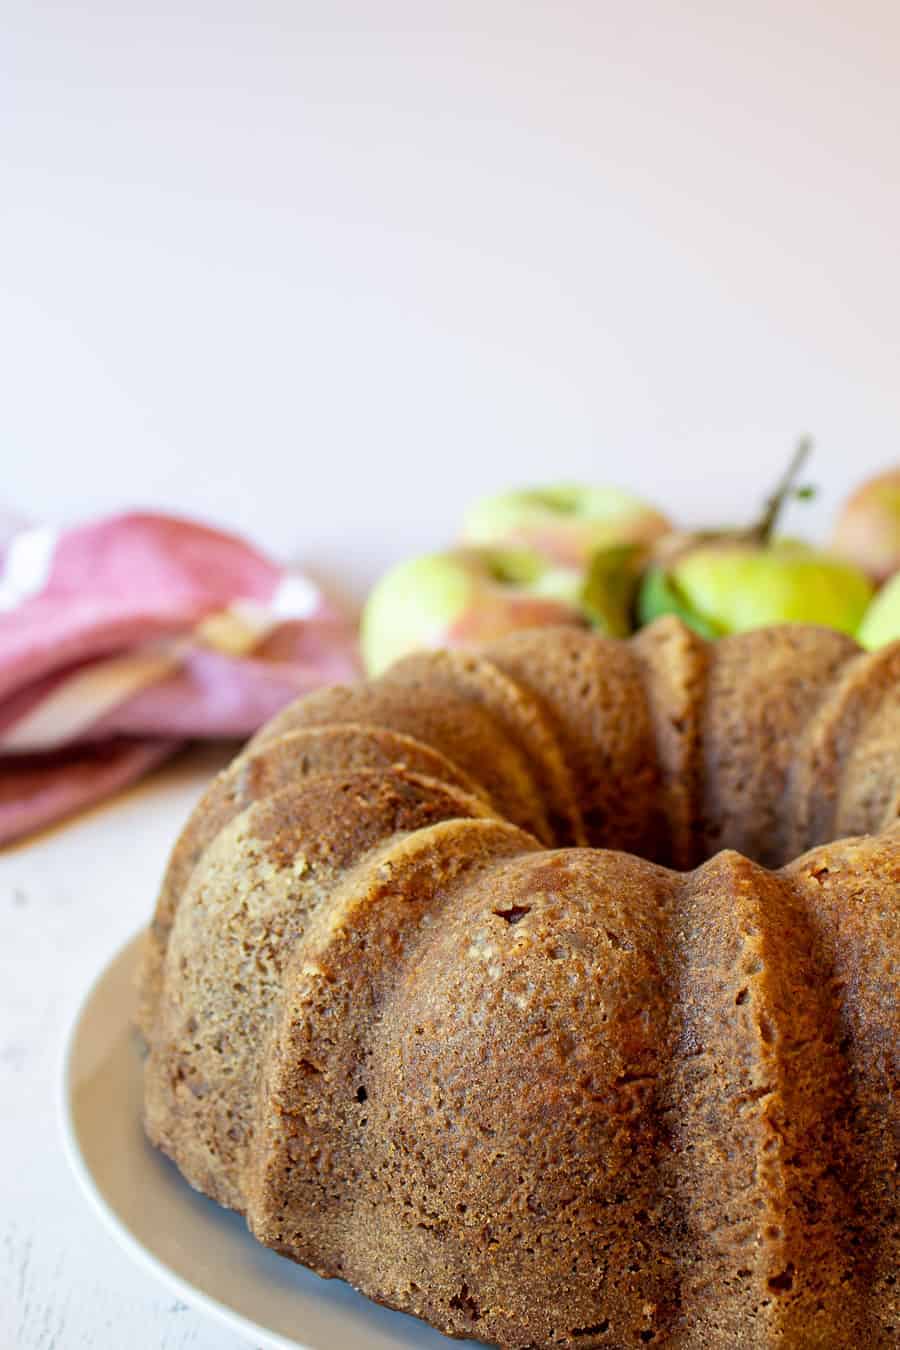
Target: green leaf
660,594
610,588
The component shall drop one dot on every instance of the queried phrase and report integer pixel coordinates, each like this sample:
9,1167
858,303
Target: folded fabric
123,638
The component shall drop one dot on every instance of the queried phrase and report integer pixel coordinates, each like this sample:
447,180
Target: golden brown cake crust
557,1097
592,689
817,772
234,930
263,769
762,689
517,711
674,664
457,727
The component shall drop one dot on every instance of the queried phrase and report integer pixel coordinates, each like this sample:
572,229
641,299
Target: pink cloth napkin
123,638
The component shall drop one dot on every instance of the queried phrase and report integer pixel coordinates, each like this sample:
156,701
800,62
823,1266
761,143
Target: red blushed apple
868,528
463,596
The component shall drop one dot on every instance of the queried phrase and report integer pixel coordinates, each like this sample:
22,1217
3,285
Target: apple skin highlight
566,523
881,623
730,588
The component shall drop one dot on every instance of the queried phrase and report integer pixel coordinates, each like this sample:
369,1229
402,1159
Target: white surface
324,271
68,901
204,1254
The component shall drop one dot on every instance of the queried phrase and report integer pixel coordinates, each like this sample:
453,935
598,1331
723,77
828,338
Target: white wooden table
68,900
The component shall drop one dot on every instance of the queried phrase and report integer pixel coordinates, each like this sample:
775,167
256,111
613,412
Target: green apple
868,529
609,593
566,523
731,585
464,596
881,623
730,581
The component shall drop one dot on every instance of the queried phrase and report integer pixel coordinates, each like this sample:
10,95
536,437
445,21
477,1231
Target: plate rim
125,955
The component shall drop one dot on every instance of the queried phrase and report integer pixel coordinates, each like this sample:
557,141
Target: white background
325,271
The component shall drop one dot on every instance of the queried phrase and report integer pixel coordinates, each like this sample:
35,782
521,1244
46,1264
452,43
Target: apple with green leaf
464,596
868,528
881,622
729,581
567,523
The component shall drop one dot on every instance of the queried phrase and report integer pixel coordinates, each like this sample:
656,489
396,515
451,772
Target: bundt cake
472,986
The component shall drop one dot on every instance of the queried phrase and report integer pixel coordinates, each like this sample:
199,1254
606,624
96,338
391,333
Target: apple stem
785,490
